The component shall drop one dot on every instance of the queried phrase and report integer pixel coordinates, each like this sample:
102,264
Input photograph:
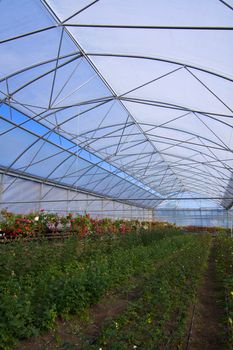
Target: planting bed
157,318
117,291
40,281
42,224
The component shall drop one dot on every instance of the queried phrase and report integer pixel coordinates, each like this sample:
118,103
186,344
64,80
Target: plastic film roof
128,99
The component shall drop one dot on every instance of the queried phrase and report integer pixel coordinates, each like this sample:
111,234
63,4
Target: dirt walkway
208,331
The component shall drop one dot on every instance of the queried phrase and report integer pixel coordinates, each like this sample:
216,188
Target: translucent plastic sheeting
25,195
128,99
196,217
52,161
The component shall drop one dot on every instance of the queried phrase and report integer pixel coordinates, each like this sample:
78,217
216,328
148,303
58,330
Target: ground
205,325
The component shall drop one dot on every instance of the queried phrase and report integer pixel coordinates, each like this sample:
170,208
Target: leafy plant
40,281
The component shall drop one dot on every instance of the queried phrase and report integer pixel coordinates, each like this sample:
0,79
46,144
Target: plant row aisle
41,281
207,329
156,279
224,263
157,318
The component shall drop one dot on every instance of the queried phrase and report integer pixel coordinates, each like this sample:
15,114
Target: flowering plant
40,223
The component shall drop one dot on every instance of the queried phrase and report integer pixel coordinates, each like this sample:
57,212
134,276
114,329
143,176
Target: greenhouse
116,140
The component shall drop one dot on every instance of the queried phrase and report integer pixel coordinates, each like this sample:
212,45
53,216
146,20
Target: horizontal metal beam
119,26
118,199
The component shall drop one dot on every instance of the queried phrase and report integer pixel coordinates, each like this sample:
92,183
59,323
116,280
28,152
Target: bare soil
208,330
70,334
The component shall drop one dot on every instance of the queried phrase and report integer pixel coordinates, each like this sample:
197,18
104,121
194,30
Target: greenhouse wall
22,195
195,217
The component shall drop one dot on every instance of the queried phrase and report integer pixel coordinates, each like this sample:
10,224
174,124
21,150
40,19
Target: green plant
156,319
42,280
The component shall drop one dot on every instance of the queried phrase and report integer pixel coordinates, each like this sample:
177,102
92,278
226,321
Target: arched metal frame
122,152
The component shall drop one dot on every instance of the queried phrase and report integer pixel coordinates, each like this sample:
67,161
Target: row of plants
40,281
211,229
157,319
224,263
41,223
